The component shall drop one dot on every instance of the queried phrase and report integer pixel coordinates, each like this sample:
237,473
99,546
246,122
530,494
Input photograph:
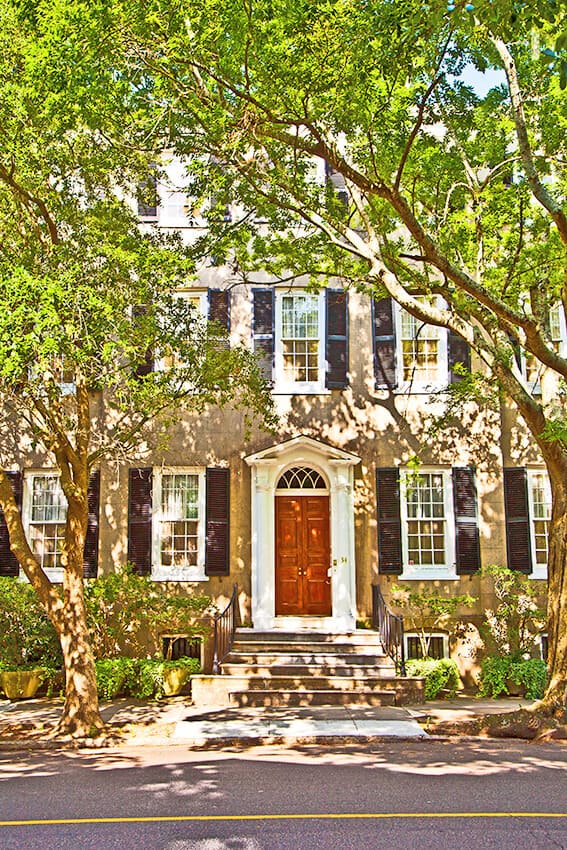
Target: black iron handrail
390,627
225,626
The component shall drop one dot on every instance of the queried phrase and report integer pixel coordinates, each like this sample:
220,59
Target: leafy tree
85,298
442,191
427,610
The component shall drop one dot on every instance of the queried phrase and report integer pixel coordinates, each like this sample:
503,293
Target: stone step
385,669
350,684
294,699
267,658
359,637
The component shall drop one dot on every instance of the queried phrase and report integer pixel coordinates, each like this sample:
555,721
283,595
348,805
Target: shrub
497,670
124,609
150,681
27,636
115,676
142,678
442,674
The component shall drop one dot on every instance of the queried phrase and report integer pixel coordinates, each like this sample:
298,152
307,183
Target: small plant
115,676
513,626
427,612
497,672
440,675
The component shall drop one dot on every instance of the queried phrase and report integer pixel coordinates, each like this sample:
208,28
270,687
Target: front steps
301,669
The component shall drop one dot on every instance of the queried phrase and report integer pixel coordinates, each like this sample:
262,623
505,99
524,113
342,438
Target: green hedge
498,670
142,678
441,674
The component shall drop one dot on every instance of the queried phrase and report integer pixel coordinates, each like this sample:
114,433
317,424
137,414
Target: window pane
179,528
420,350
425,505
300,338
541,503
47,524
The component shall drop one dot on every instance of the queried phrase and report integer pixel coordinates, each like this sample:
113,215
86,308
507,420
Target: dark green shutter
458,352
389,521
9,565
336,342
140,520
518,532
217,560
384,337
263,329
467,539
90,557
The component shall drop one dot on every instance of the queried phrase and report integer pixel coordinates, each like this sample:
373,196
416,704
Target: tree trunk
555,697
81,716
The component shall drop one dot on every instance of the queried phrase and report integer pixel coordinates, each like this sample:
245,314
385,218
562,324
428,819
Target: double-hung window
531,366
178,524
45,512
197,300
539,495
428,541
422,354
300,351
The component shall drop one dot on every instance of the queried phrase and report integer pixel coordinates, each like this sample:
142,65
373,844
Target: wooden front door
303,555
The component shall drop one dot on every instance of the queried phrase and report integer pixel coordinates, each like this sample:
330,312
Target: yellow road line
276,817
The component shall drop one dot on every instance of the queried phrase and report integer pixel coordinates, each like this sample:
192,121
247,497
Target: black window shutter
147,364
140,520
219,307
90,555
217,561
9,565
518,538
263,329
336,338
384,344
389,521
467,537
458,352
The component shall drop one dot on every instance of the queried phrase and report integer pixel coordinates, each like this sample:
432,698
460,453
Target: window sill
299,389
429,575
539,574
178,575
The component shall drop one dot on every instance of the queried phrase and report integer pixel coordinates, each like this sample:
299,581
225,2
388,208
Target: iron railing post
224,629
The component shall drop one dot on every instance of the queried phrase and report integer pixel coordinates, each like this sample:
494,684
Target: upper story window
530,365
422,354
45,513
412,356
148,199
299,350
198,300
301,339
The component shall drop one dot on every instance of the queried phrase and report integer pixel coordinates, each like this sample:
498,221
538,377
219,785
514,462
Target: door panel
302,555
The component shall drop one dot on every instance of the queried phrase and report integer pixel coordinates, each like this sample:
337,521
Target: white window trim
539,571
448,570
202,307
299,387
194,573
55,574
534,387
416,634
443,357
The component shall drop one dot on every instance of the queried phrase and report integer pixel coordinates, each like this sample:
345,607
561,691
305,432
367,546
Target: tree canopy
86,298
349,129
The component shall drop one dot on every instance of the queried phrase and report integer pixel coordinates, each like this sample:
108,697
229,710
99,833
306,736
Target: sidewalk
176,721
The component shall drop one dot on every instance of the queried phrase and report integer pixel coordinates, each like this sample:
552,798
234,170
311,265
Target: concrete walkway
176,721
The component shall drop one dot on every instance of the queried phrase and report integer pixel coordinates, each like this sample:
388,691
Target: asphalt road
401,796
